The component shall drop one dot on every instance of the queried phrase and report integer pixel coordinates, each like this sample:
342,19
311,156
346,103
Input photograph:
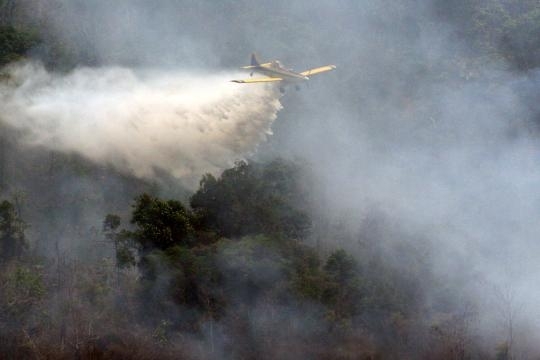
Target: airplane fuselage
279,72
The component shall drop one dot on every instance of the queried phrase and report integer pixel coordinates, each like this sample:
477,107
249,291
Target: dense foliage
14,44
12,238
507,29
252,199
217,267
262,289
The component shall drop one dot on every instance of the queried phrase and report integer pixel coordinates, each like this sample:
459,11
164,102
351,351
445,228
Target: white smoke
140,121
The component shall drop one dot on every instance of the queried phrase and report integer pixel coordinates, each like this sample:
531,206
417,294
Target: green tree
122,243
22,288
252,199
161,223
504,29
12,238
14,43
342,292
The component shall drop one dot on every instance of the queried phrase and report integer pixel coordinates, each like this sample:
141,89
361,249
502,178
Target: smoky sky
185,124
441,143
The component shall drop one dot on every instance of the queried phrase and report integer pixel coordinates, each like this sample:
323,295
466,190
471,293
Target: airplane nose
306,78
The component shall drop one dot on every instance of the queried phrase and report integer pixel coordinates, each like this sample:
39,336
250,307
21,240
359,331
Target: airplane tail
254,60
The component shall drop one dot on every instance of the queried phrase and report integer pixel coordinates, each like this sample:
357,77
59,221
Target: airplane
276,72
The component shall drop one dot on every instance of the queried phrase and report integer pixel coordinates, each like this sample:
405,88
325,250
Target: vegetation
246,293
12,238
14,44
507,29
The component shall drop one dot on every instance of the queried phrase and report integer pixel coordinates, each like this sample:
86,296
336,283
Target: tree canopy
12,238
251,198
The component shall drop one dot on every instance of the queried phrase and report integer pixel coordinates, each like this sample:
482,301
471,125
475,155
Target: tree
121,241
342,293
252,199
12,238
14,43
161,224
506,29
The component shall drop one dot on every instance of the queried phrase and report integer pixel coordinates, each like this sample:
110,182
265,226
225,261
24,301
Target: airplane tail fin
254,60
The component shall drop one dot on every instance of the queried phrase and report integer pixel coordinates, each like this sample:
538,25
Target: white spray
139,121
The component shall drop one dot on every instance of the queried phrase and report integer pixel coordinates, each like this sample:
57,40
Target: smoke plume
141,122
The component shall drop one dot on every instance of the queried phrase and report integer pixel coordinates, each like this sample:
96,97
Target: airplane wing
256,80
318,70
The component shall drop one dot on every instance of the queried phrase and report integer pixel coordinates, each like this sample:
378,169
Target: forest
388,213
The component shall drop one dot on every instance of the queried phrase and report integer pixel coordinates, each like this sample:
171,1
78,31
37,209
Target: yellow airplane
276,72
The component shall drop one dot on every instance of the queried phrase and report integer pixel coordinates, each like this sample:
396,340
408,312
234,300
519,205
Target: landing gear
297,87
282,90
251,73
